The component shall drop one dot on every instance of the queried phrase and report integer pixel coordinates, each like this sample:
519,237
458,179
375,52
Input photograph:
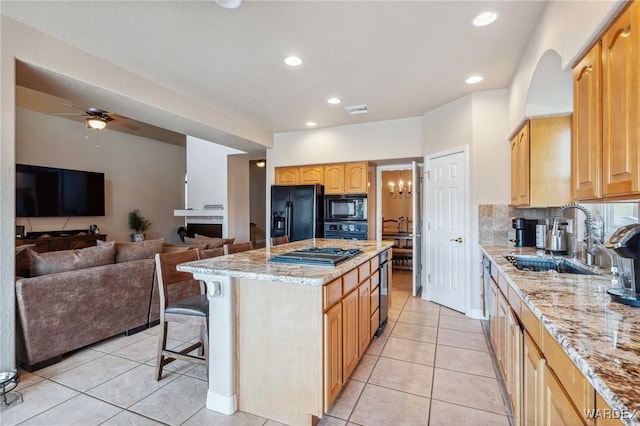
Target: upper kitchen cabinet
287,176
355,178
620,113
334,179
541,162
310,175
587,127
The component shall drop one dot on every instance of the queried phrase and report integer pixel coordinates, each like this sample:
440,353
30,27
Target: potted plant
138,224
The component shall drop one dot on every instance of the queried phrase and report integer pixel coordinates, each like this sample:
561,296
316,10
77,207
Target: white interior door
416,261
446,230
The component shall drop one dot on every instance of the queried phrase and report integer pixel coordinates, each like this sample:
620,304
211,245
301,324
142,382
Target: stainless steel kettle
557,241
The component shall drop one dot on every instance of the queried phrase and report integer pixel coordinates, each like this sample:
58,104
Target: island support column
222,329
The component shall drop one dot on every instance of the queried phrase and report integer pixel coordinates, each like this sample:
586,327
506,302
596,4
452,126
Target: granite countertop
601,336
255,264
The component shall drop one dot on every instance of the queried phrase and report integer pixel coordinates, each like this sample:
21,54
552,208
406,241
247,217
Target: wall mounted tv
51,192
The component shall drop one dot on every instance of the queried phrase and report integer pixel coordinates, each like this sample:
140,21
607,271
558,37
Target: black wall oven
345,208
345,230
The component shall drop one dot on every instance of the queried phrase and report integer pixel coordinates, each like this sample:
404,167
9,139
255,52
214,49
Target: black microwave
345,207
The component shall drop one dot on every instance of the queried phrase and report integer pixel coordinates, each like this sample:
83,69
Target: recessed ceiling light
334,101
485,18
292,61
311,124
473,79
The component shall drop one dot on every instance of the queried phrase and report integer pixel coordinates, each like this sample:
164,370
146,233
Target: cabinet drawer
349,281
375,299
332,293
572,380
364,270
375,263
503,284
375,279
531,324
514,301
375,322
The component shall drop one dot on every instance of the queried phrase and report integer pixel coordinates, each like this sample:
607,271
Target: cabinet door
364,315
586,145
533,375
355,178
523,166
515,157
334,179
333,355
493,315
621,90
287,176
557,406
311,174
503,309
513,362
349,333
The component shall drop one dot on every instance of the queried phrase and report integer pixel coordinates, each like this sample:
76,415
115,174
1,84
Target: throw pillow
200,243
173,249
23,260
128,252
213,242
54,262
213,252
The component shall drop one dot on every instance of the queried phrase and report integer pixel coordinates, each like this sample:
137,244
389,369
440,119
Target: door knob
457,240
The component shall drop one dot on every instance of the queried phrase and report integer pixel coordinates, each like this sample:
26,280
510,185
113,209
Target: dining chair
182,299
275,241
238,247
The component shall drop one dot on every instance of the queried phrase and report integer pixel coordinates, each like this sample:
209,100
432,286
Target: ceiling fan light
97,123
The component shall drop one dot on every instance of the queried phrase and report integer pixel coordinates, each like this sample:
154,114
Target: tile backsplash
494,221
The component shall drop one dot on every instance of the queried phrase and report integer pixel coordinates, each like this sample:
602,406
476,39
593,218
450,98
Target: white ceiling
401,58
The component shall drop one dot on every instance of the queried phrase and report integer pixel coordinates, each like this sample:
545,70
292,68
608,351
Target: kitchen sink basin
539,264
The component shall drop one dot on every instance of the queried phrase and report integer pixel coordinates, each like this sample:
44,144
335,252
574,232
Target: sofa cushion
211,242
127,252
212,252
173,249
54,262
200,243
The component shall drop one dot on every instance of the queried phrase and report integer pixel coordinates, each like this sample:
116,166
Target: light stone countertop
601,336
255,264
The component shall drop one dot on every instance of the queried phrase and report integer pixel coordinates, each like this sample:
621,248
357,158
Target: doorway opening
397,215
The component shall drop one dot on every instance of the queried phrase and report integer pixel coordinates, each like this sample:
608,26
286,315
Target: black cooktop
325,256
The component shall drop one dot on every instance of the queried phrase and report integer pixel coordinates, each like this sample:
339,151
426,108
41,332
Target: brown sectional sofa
67,300
60,310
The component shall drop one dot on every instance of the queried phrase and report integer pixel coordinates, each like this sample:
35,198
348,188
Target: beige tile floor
430,367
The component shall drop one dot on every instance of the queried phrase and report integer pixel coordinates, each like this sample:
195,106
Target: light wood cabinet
349,333
334,179
586,145
513,349
333,353
541,163
557,406
364,313
620,113
604,414
311,175
287,176
533,375
355,178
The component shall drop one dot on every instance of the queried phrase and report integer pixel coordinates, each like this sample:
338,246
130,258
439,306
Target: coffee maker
625,241
525,231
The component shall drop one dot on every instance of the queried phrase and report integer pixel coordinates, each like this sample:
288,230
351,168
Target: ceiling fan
98,119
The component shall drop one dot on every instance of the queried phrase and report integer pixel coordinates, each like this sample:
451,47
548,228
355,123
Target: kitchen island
576,320
284,338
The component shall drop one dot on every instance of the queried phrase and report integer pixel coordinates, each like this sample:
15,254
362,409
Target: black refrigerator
297,211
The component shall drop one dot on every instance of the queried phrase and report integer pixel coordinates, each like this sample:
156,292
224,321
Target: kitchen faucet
589,238
600,246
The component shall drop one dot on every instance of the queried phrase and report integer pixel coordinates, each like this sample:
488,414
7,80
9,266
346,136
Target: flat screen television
51,192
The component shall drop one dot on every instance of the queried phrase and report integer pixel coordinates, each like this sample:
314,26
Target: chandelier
401,191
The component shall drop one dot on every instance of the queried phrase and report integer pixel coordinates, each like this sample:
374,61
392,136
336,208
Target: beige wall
139,173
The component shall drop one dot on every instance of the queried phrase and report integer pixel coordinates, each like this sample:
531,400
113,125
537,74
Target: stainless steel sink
538,264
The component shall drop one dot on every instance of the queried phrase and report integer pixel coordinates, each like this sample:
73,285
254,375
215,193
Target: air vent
357,109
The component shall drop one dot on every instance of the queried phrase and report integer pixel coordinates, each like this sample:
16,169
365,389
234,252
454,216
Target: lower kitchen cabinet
364,316
558,408
349,333
532,375
333,354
